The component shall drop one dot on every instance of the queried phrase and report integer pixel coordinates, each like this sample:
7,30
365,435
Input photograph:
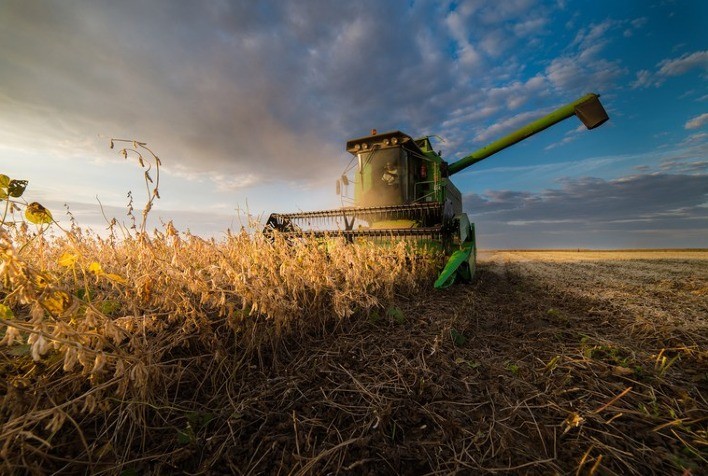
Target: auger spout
588,109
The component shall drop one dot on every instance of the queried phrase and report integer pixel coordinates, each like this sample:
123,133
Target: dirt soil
548,363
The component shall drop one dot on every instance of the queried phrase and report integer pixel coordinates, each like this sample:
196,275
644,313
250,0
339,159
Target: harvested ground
549,362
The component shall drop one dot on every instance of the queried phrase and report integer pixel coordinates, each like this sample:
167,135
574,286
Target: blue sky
249,104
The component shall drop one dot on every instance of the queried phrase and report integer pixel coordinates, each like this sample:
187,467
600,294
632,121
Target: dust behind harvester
402,190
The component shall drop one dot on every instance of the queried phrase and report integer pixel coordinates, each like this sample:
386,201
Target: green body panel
461,265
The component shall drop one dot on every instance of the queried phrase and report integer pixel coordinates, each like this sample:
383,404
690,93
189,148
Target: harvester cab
391,169
402,190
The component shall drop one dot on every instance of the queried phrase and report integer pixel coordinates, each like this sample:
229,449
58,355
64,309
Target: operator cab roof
383,141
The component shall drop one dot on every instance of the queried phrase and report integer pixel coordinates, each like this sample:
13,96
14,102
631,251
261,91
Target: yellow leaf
41,280
96,268
37,214
573,421
116,277
57,303
4,183
6,312
68,260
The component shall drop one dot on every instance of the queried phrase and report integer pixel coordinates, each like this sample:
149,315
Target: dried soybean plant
146,162
99,334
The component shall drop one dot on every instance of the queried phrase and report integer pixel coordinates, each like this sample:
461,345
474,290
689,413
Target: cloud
222,87
192,82
644,80
483,31
583,72
699,138
223,182
583,68
457,23
94,218
244,93
595,34
630,211
491,100
569,136
671,67
683,64
507,125
639,22
529,27
267,90
634,25
579,69
684,166
697,122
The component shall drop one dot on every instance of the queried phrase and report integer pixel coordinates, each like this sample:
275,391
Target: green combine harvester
402,190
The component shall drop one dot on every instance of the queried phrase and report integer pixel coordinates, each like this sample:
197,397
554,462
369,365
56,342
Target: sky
249,104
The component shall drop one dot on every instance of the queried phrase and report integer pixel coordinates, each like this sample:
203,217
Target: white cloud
495,42
573,74
694,167
530,27
696,138
457,21
470,115
583,68
644,79
496,130
498,12
468,56
516,93
482,29
222,182
639,22
683,64
596,33
569,136
634,25
671,67
697,122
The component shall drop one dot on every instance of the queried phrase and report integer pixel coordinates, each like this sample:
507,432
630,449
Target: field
180,355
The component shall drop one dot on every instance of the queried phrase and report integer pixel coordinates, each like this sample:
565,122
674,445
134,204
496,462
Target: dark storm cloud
632,211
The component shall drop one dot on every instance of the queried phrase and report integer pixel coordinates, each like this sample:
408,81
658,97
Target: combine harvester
402,190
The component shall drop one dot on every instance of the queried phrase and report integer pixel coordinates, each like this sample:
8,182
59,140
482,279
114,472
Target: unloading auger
402,190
